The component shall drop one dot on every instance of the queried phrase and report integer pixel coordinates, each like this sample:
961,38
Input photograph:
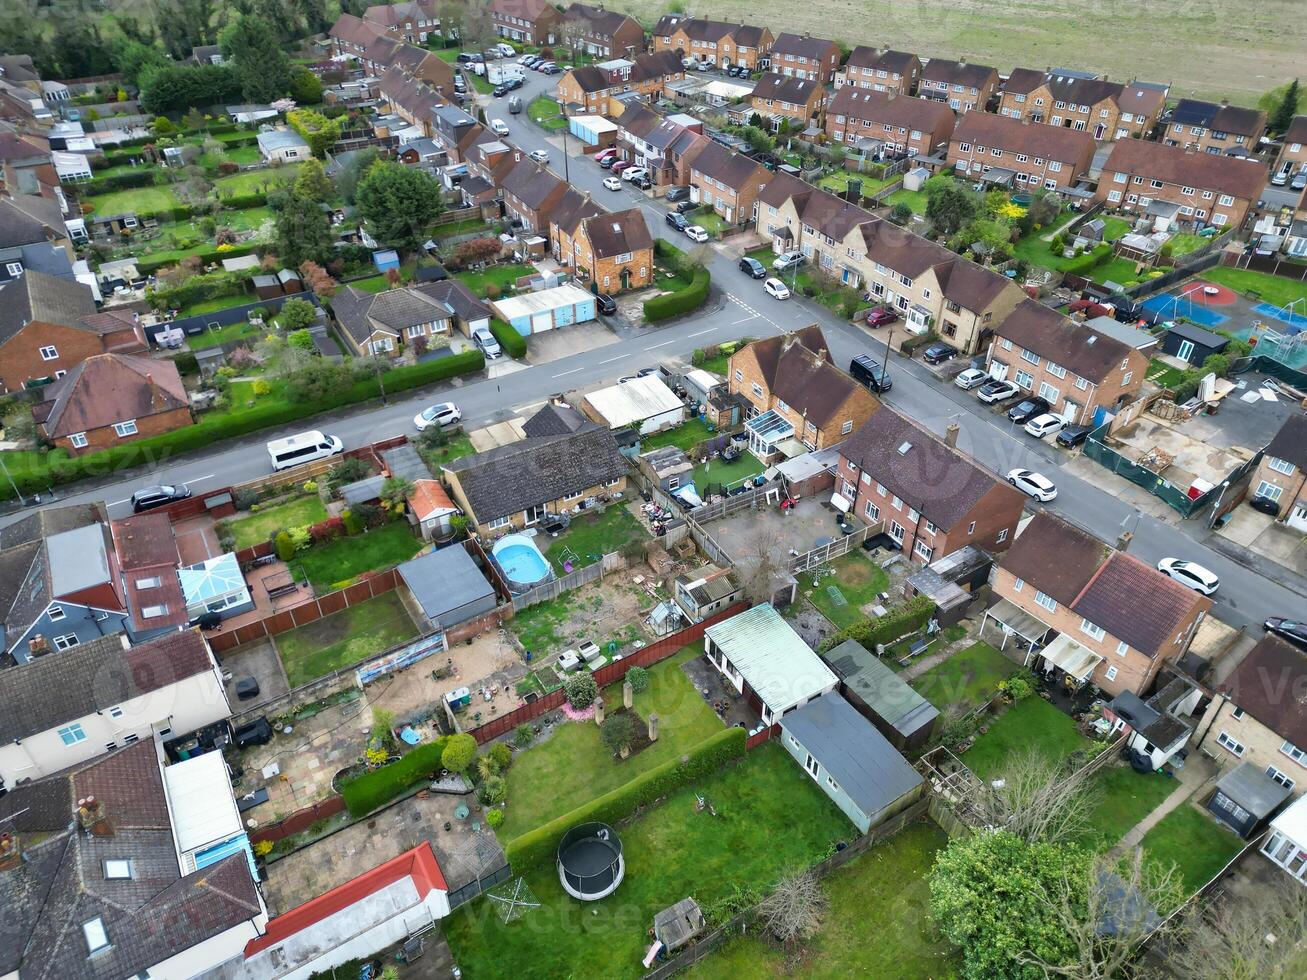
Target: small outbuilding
881,696
1245,798
546,309
282,145
432,508
705,591
667,467
645,404
1192,344
449,586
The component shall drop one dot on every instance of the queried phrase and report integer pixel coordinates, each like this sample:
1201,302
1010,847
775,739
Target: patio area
273,589
794,531
197,540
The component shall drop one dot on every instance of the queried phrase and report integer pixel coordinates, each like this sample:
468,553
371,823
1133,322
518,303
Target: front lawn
685,436
856,582
344,638
546,112
965,680
589,538
1192,840
1264,288
334,564
888,886
572,766
1030,722
710,221
770,818
502,276
255,528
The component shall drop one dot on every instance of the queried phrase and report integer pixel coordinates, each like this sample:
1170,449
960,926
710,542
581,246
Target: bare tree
477,30
1034,798
763,566
573,36
1260,939
793,911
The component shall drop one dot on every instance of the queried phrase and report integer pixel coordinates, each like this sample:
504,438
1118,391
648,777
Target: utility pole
885,365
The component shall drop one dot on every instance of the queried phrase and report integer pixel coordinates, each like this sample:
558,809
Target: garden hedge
365,793
117,182
514,343
684,300
537,848
239,202
1086,263
148,266
894,625
55,471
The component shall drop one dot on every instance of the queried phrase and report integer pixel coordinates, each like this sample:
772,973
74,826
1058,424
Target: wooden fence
556,587
300,820
605,675
1273,265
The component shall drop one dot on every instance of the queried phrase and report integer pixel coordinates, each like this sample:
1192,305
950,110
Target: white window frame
1046,601
1231,744
71,733
49,353
78,440
125,429
1090,630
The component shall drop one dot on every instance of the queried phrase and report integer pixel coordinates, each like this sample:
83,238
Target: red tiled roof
1188,168
145,539
429,497
1270,685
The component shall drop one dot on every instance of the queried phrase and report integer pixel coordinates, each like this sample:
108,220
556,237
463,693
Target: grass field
1269,289
546,113
1030,722
856,579
587,539
685,436
502,276
255,528
344,638
1194,842
967,679
220,336
328,565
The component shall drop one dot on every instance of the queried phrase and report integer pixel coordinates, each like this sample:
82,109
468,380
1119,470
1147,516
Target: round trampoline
590,864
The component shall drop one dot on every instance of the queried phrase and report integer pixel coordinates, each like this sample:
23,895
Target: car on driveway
1266,505
643,182
486,343
696,233
1191,574
1032,484
753,268
776,289
971,378
677,220
442,414
613,183
631,173
686,206
1299,181
606,304
539,156
939,353
1027,409
1292,630
1073,435
878,316
148,498
618,166
1280,179
1045,424
997,391
675,194
787,261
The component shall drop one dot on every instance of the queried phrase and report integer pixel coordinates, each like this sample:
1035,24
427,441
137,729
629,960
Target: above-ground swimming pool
521,561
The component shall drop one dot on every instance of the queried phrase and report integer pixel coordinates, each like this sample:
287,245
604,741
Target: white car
1047,424
634,173
776,289
996,391
539,156
1191,574
499,126
442,414
696,234
971,378
1032,484
613,183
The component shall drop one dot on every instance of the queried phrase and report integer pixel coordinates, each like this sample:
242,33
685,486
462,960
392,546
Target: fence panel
300,820
478,885
828,552
556,587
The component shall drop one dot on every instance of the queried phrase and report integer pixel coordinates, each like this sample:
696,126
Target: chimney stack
91,817
951,435
11,854
1123,542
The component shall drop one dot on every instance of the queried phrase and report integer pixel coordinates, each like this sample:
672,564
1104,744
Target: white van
303,448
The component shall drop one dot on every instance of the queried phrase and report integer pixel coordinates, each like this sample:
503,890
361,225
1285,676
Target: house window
1018,584
739,375
72,734
1237,714
55,613
419,331
96,938
1030,356
1122,648
498,522
757,390
1293,752
1025,380
116,711
847,427
1047,601
1230,744
871,511
1056,370
923,550
15,269
1111,673
1048,393
1089,629
49,353
1081,383
1125,378
1281,465
1002,536
117,868
78,440
124,429
1270,490
66,642
880,489
898,504
1279,777
971,528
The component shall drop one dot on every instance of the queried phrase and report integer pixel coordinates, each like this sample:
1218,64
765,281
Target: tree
1285,110
792,912
303,232
949,205
182,24
317,279
1044,210
305,88
318,131
1033,798
399,204
312,182
477,30
900,214
347,181
638,678
19,425
1233,940
174,88
318,380
132,58
763,564
581,691
297,314
474,251
618,733
450,14
993,234
459,752
394,493
251,44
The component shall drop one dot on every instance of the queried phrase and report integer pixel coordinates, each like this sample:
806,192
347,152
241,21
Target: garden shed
546,309
1245,797
1192,344
449,586
882,696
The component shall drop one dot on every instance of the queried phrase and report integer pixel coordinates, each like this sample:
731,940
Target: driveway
553,345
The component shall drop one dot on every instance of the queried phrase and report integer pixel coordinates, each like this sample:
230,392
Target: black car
1293,630
606,304
677,194
513,84
870,372
685,207
257,732
644,183
499,91
1266,505
1073,435
753,268
149,497
938,353
1026,409
677,221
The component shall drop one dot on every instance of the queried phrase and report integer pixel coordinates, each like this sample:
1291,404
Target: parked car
486,343
552,69
1027,409
1266,505
499,127
1045,424
505,49
630,173
499,91
1298,181
697,234
971,378
776,289
605,153
1190,574
687,62
675,194
257,732
609,162
527,60
148,498
613,183
704,66
605,304
787,261
753,268
1280,179
997,391
1032,484
619,165
513,84
938,353
677,221
1073,435
539,156
685,207
871,373
878,316
1292,630
441,413
642,182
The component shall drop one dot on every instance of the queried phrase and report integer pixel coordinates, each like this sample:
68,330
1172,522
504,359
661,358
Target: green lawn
589,538
877,922
967,679
715,472
1119,798
770,818
1030,722
464,227
138,200
572,766
1267,289
838,182
222,335
546,112
710,221
344,638
455,447
335,563
685,436
1115,228
255,181
1184,243
1194,842
916,200
215,304
255,528
1163,373
502,276
857,579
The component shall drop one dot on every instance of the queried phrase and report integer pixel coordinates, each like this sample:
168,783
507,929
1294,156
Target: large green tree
1285,110
351,174
399,203
177,87
949,204
252,45
303,232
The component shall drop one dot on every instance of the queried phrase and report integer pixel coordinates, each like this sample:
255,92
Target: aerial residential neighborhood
511,489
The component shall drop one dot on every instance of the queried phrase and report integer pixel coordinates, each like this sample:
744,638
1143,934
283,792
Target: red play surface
1201,291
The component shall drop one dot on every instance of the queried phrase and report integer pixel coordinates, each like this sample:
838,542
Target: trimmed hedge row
147,266
894,625
365,793
514,343
117,182
537,848
1088,261
239,202
213,429
684,300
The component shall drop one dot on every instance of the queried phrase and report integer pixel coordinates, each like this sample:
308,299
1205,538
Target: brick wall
20,355
152,425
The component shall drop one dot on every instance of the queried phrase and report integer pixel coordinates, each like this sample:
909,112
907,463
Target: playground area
1202,302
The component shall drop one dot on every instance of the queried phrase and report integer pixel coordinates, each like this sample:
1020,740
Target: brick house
530,194
565,221
1070,365
666,146
1061,97
49,325
1214,127
805,56
350,36
714,41
602,33
1119,618
1207,189
109,399
880,70
387,53
389,323
922,490
527,21
1293,147
409,98
412,21
1281,474
959,84
588,88
727,181
792,378
1037,156
796,100
1247,722
905,125
614,250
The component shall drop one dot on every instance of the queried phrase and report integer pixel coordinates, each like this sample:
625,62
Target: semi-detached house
880,70
589,87
602,33
666,146
1281,474
1011,152
713,41
535,22
962,86
805,56
1083,101
1293,147
727,181
411,21
1204,188
781,99
614,251
530,194
1214,127
903,125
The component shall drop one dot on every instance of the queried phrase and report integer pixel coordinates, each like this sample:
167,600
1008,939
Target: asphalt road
739,308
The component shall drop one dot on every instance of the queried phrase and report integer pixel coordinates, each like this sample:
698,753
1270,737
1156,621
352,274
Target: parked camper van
303,448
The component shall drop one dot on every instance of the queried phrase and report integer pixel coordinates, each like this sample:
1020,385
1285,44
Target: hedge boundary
147,266
683,300
514,343
894,625
537,848
365,792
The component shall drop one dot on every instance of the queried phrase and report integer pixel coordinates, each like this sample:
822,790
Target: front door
1185,351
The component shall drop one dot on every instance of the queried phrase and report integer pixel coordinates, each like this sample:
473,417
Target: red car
621,165
880,315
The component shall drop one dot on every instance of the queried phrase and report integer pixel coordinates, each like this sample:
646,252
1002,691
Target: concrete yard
785,533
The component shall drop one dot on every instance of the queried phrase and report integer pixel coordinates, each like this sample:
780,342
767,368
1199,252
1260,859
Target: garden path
919,667
1197,775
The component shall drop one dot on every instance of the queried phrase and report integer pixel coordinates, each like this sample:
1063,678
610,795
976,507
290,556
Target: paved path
919,667
1197,774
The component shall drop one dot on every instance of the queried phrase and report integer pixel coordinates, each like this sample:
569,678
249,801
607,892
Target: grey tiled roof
36,296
